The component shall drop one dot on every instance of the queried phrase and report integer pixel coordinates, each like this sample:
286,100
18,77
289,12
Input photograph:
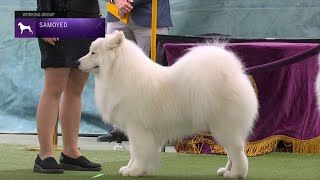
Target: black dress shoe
48,165
79,164
114,134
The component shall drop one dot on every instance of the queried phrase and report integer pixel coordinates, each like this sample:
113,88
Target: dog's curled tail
216,42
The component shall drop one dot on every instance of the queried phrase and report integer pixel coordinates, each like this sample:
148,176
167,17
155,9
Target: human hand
124,7
50,40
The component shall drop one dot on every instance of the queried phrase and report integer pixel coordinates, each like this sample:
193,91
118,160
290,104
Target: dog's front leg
144,150
129,164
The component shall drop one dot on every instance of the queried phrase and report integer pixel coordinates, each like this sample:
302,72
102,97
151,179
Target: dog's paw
133,172
232,175
221,171
122,169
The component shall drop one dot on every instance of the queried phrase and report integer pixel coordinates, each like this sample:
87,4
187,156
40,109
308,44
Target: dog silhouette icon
24,27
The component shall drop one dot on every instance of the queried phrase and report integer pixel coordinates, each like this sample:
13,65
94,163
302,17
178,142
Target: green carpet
17,163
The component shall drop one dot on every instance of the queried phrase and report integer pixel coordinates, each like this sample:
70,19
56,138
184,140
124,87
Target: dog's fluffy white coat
205,90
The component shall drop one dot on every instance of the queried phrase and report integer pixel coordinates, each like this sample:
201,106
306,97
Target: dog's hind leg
144,150
237,166
223,170
239,160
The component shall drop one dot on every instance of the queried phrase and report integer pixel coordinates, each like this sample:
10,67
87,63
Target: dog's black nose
78,63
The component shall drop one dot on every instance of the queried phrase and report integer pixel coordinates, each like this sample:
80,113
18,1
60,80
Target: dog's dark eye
93,53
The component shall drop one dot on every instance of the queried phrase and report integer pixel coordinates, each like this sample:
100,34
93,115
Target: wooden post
55,137
154,29
54,141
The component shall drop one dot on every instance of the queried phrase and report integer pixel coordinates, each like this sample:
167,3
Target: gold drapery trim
254,85
267,145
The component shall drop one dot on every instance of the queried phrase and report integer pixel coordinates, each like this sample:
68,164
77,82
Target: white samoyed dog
205,90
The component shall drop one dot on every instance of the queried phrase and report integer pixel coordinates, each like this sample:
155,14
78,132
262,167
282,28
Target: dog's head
19,24
102,53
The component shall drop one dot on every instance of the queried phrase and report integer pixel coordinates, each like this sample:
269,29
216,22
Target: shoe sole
111,139
38,169
70,167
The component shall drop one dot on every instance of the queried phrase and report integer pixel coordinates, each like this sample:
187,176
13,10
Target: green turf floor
17,163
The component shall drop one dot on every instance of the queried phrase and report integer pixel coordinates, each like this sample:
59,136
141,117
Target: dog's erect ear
116,39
